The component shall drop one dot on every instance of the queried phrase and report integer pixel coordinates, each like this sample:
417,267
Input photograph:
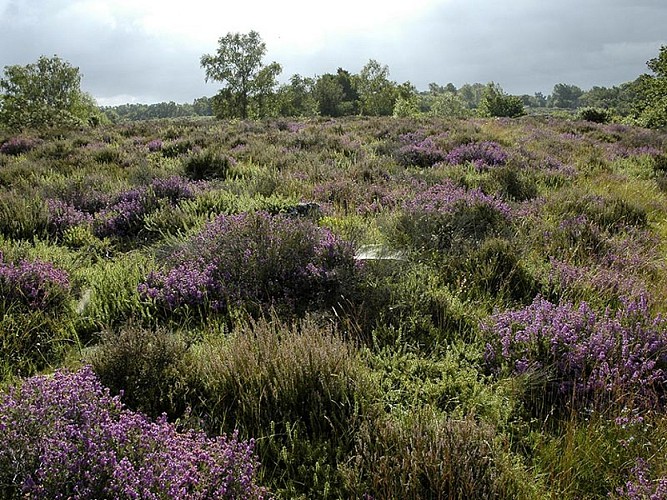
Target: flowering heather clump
640,486
63,215
33,285
65,437
253,258
605,282
587,356
419,151
124,217
446,213
481,154
154,145
18,145
174,188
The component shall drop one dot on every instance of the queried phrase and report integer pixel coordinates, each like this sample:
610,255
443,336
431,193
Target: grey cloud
524,45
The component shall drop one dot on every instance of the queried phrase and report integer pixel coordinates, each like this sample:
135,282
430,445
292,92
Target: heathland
334,308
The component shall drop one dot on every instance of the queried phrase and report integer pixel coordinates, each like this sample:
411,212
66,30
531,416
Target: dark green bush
207,165
145,365
596,115
494,270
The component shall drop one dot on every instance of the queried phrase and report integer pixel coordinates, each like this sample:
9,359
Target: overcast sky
148,50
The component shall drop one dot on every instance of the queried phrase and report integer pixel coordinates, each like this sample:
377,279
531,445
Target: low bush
18,145
596,115
419,151
254,260
481,154
207,165
32,285
145,366
446,216
65,437
300,390
583,357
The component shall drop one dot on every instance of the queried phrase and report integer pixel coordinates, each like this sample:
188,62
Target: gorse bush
65,436
585,357
255,260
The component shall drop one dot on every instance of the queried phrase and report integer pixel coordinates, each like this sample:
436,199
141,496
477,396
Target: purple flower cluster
481,154
154,145
253,258
419,151
587,356
448,198
18,145
65,437
446,215
640,486
175,188
124,216
35,285
62,215
605,282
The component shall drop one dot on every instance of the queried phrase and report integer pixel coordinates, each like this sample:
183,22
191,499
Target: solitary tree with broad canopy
45,94
247,81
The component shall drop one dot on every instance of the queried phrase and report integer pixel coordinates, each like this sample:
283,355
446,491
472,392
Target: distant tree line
131,112
47,93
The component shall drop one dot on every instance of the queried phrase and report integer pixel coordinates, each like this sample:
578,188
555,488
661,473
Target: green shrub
596,115
493,270
23,216
146,366
207,165
404,304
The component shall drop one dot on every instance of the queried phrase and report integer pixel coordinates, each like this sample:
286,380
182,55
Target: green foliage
495,103
145,365
439,458
336,95
652,105
449,105
377,93
45,94
406,107
207,164
296,98
300,390
565,96
596,115
237,64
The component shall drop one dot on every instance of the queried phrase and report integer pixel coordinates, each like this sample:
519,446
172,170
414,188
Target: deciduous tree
237,64
45,94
